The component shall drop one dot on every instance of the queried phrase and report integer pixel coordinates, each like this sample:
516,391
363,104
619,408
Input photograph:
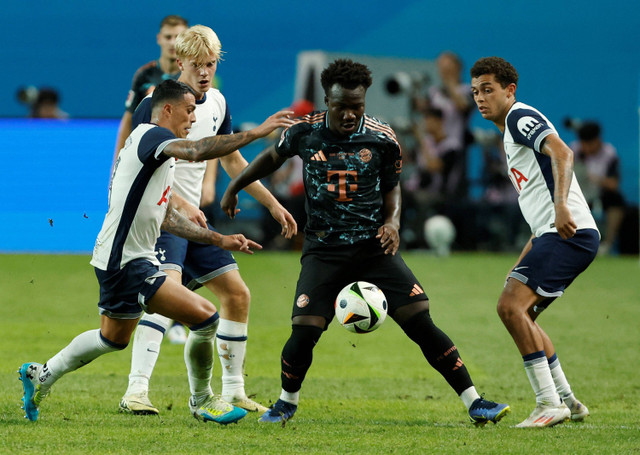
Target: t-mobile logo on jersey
342,186
528,126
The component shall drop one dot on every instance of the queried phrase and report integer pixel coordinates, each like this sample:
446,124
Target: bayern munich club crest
303,300
365,155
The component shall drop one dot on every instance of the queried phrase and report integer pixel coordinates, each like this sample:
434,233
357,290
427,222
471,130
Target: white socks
83,349
145,351
539,374
290,397
562,385
231,342
468,396
198,355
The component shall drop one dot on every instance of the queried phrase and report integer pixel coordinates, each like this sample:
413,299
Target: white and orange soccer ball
361,307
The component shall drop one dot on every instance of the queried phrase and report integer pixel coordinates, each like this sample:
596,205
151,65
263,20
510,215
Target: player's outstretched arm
234,164
217,146
178,224
263,164
562,168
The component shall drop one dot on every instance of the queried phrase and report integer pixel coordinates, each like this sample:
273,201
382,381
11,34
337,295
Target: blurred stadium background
575,59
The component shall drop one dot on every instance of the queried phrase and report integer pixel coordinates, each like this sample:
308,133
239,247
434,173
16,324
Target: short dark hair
346,73
168,91
503,71
174,20
47,95
589,131
433,112
453,56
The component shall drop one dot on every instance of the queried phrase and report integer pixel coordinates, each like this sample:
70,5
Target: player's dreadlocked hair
346,73
503,71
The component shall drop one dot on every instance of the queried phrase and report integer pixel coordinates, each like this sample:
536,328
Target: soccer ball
361,307
439,232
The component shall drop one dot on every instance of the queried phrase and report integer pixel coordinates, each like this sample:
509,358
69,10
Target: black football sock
439,350
297,355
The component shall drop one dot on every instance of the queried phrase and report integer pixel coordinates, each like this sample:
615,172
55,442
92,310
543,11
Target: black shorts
327,269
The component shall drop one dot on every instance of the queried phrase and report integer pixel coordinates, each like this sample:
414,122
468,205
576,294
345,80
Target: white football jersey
138,196
531,174
212,117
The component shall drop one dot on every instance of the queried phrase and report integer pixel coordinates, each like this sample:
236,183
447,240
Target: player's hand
564,222
238,242
228,204
389,238
194,214
281,119
286,220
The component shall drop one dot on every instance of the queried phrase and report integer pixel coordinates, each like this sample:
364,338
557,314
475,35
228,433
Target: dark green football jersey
145,81
345,178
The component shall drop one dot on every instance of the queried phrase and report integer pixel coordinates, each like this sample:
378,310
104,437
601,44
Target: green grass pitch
371,393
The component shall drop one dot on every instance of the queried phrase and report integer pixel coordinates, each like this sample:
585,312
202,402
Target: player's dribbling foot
483,411
248,404
138,403
32,396
578,411
216,410
546,416
280,412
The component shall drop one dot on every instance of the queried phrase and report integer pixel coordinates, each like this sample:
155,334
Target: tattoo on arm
178,224
209,147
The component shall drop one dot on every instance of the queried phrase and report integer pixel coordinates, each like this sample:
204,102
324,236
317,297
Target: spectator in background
495,180
439,158
448,106
47,105
42,102
148,76
437,184
453,98
500,225
598,171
